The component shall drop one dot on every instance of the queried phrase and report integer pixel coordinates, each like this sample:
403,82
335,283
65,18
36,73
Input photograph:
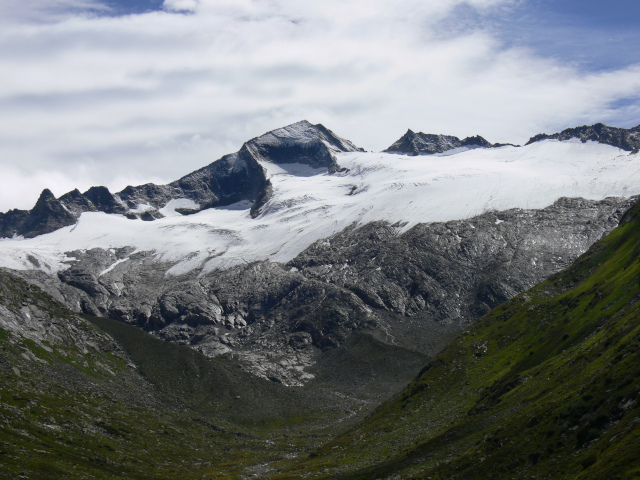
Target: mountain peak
428,144
301,142
46,195
47,215
105,201
302,132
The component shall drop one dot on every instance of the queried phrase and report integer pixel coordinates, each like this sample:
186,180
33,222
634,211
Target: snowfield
308,204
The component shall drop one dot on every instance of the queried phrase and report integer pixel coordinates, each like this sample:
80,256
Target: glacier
309,204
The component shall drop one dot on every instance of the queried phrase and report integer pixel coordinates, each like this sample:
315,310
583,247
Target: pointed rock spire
46,216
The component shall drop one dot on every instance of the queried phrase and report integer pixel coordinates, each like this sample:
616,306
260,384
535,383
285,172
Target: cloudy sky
120,92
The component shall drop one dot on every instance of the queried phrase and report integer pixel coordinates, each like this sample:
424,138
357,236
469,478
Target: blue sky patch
128,7
593,34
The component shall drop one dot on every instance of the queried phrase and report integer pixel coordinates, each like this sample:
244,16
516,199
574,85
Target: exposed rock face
47,215
457,271
104,201
27,313
233,178
625,139
428,144
414,289
76,203
11,222
312,145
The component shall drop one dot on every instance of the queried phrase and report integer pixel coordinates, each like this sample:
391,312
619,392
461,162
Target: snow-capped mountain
236,177
289,188
298,240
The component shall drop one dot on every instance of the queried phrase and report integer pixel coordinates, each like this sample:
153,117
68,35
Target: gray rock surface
412,290
28,313
46,216
427,144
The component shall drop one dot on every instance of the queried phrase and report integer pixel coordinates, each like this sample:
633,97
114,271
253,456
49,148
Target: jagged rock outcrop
623,138
11,222
233,178
104,201
76,203
46,216
428,144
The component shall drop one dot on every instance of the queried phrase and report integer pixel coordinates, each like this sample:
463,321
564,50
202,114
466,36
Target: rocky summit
428,144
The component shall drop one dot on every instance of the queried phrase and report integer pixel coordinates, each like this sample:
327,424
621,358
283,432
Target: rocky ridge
625,139
234,177
413,143
241,175
428,144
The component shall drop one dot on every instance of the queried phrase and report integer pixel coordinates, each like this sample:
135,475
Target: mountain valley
249,314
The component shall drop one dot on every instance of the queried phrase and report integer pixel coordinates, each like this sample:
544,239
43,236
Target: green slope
73,406
546,385
76,404
86,397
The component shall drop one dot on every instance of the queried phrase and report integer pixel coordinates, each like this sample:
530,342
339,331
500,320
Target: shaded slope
76,404
547,385
71,404
215,388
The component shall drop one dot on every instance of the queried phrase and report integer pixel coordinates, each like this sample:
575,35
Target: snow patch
141,208
113,265
169,210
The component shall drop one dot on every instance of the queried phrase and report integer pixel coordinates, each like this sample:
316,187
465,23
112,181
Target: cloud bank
92,99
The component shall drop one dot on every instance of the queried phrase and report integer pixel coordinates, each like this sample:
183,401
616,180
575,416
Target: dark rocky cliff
427,144
233,178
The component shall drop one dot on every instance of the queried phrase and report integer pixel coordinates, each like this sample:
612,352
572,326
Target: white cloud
180,5
161,94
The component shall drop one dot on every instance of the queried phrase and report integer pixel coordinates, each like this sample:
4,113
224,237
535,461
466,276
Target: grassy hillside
546,385
78,403
74,403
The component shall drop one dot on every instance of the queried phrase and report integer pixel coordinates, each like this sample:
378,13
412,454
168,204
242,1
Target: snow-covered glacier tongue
299,241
